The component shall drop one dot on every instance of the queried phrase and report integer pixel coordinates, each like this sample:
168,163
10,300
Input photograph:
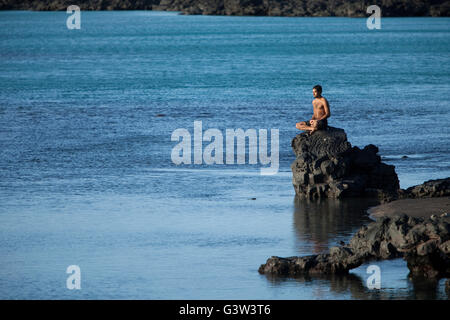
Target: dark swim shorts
321,124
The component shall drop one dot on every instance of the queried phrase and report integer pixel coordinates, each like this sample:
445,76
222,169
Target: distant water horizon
86,176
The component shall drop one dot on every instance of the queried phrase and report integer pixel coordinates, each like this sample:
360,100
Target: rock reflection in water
336,284
353,285
322,224
425,289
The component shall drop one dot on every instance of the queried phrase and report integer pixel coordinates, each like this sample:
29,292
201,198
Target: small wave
404,156
220,171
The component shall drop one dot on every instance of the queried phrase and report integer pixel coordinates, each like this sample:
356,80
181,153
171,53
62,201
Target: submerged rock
423,243
327,165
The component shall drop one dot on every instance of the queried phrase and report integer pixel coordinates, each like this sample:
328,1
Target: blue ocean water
86,176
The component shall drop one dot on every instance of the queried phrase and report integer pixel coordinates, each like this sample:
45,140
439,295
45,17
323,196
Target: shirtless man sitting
321,113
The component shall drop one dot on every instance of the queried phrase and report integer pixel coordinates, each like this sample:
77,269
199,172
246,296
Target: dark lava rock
429,189
339,8
389,8
327,165
423,243
338,261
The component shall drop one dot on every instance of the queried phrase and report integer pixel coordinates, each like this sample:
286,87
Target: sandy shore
424,207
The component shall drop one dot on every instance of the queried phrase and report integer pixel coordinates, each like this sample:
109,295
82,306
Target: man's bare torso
319,107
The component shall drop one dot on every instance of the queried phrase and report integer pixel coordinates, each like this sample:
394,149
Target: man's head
317,91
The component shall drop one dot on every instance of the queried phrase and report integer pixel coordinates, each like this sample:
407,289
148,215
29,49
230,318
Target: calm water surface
86,176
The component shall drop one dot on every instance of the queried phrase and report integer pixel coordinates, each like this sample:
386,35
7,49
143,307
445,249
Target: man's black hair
318,88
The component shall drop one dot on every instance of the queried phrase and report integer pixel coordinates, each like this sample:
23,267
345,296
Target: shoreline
277,8
422,207
180,12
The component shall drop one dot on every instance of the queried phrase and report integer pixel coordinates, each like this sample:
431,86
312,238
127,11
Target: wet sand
413,207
